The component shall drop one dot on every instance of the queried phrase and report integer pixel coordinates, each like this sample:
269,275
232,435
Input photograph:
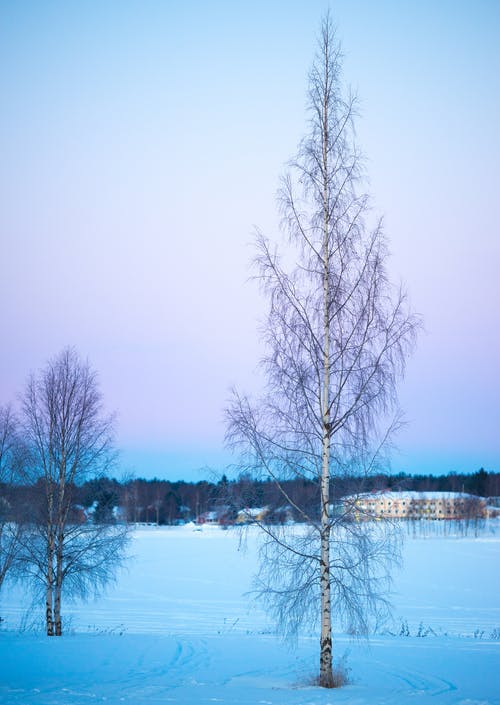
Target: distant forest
165,502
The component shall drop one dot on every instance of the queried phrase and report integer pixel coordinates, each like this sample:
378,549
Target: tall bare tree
337,335
70,440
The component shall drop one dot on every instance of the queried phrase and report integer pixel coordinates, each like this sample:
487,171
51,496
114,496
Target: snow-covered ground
179,627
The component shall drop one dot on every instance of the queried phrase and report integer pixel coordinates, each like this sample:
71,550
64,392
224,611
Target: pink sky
140,145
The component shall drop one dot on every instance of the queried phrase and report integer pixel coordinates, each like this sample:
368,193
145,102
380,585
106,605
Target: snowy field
179,627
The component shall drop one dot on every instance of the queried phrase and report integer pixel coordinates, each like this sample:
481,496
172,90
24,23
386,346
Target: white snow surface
180,627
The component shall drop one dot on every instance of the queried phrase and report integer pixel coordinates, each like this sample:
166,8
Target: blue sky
140,144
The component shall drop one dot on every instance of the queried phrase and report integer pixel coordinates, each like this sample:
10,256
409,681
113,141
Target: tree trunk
58,585
325,659
325,667
57,612
49,594
49,618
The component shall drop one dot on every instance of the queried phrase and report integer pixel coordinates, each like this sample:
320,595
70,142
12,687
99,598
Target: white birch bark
325,671
49,591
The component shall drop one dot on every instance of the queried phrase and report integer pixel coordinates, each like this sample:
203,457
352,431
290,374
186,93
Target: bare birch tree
10,471
70,440
337,335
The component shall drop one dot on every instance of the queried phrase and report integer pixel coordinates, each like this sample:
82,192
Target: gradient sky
140,142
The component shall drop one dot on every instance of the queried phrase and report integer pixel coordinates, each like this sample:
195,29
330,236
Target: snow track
423,682
239,670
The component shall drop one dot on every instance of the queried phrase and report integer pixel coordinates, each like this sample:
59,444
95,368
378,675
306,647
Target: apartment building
417,505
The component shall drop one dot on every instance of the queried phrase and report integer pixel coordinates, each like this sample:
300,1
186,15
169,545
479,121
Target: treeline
480,483
166,502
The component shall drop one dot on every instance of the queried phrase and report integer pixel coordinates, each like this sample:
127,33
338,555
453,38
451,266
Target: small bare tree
11,459
70,440
337,335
